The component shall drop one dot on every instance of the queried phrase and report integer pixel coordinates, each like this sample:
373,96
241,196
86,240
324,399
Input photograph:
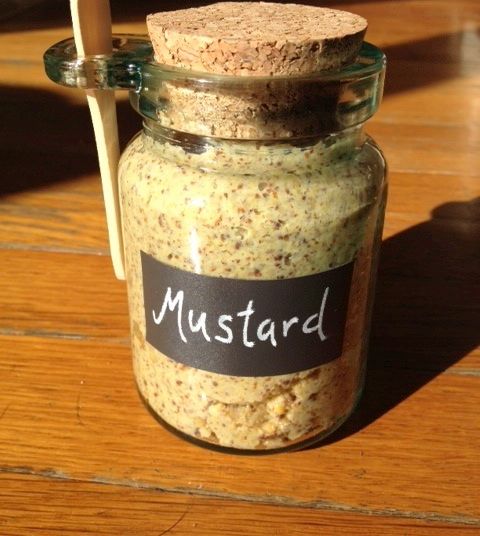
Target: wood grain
54,220
35,504
65,300
70,216
442,150
79,453
65,297
387,23
87,398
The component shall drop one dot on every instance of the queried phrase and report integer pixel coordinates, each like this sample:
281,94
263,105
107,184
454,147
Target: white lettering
265,330
264,335
171,304
200,325
306,328
310,329
321,334
247,313
287,324
221,324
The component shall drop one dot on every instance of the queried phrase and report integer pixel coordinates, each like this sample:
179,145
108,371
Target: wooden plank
415,93
421,288
43,506
61,153
446,55
69,408
408,98
428,149
427,318
63,147
61,294
415,198
77,295
423,93
52,220
427,19
70,215
427,311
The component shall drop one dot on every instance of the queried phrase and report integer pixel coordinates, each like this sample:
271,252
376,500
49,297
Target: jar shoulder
251,175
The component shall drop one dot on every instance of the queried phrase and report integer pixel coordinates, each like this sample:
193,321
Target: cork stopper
256,38
264,48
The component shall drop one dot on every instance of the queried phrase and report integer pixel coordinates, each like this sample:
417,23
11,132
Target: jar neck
226,106
252,109
262,108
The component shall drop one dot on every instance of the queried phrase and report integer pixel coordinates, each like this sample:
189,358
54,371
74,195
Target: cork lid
256,38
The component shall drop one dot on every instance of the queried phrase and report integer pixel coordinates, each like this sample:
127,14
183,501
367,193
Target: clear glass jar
252,211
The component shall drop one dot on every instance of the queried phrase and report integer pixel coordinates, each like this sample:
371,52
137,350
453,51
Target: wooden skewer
92,30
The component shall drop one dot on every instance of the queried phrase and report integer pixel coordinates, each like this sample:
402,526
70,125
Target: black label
245,327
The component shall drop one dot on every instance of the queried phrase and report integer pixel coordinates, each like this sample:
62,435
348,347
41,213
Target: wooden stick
92,30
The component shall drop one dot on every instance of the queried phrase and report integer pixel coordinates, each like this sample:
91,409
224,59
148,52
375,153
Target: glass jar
252,211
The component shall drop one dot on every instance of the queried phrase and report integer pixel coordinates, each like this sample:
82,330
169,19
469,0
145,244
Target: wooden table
78,452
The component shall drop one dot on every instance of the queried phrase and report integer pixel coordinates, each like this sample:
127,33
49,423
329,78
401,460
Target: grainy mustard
249,211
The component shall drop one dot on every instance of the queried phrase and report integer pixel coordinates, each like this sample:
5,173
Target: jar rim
131,66
224,105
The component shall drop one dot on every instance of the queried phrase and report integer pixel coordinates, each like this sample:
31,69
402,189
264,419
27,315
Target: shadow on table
66,148
54,13
46,139
427,309
447,54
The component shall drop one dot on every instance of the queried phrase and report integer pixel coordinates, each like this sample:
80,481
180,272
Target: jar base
301,445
